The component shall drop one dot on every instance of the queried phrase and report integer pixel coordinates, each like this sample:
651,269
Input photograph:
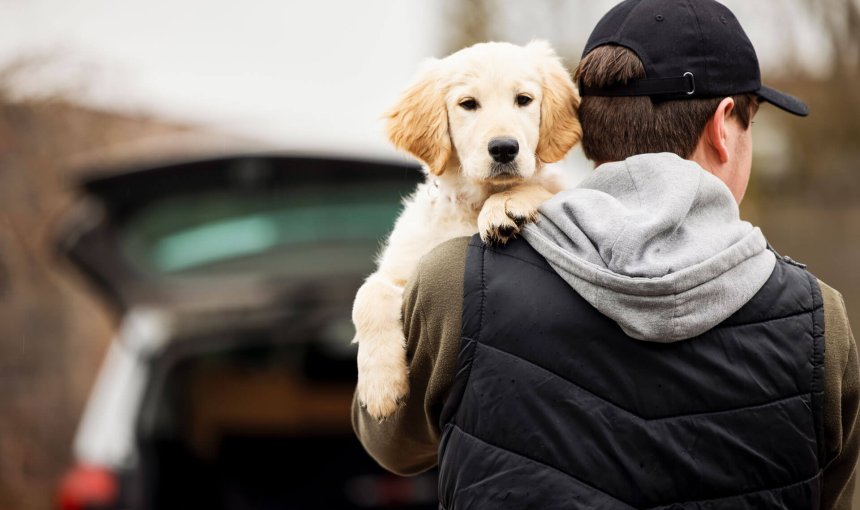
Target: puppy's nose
503,150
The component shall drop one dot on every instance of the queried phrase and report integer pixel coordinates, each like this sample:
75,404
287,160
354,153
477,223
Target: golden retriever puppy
483,121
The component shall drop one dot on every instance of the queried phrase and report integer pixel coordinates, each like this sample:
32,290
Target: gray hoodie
656,244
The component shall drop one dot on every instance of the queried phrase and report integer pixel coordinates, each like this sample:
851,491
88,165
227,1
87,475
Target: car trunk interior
266,426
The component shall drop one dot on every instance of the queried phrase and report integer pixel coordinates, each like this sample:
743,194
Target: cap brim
788,103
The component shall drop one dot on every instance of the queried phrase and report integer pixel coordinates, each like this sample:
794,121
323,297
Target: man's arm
406,443
841,403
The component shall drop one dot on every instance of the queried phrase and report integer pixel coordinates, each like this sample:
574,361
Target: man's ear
716,129
418,123
559,125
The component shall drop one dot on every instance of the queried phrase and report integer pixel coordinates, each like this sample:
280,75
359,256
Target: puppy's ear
418,123
559,125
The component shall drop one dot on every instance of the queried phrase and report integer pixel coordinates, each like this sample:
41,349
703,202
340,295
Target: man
642,347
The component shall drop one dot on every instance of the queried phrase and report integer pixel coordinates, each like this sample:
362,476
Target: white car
228,385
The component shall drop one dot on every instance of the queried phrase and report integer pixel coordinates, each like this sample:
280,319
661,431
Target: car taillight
389,491
87,488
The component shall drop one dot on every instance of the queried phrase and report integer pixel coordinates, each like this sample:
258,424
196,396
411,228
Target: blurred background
93,89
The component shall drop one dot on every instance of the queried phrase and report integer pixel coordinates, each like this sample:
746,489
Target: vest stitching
817,366
633,413
483,292
789,316
657,507
536,461
452,419
814,379
473,344
543,268
737,496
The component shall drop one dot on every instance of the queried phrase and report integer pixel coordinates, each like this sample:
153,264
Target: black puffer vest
554,407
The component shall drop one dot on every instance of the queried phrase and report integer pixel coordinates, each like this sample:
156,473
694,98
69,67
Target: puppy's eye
469,104
524,100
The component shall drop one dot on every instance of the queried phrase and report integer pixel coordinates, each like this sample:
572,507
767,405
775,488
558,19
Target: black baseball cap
691,49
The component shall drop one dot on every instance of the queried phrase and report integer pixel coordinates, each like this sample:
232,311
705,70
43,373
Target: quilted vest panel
555,407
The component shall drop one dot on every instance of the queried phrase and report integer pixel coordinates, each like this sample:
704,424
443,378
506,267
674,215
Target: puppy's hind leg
382,371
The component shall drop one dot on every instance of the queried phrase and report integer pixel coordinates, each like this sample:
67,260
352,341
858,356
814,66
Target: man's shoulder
443,265
830,293
837,331
835,313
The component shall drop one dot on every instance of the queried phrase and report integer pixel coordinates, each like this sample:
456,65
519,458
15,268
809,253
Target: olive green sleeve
841,403
407,442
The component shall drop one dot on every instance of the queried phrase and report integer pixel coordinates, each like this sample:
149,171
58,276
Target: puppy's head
502,108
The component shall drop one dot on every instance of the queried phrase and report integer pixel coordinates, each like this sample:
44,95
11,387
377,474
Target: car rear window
305,230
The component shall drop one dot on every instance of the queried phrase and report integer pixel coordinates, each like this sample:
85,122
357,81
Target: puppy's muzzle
503,150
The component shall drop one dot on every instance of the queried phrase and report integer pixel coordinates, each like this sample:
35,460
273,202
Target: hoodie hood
655,243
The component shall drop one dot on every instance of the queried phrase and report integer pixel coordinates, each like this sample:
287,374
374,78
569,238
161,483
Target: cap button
659,17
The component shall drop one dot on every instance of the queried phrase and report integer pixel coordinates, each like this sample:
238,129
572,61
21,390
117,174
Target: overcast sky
294,74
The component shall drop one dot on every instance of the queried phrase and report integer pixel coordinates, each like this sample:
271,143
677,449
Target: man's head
675,76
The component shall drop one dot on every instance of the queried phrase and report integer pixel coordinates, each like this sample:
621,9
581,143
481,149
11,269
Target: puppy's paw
495,225
383,377
505,213
522,208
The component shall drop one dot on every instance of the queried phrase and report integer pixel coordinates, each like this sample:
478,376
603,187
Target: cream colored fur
462,195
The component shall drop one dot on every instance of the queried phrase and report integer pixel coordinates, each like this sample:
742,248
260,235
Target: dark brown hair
615,128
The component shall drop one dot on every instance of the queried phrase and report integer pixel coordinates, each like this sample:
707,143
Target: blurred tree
468,22
824,161
53,334
841,21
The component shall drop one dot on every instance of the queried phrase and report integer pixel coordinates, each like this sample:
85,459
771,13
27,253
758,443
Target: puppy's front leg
504,213
382,371
383,378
